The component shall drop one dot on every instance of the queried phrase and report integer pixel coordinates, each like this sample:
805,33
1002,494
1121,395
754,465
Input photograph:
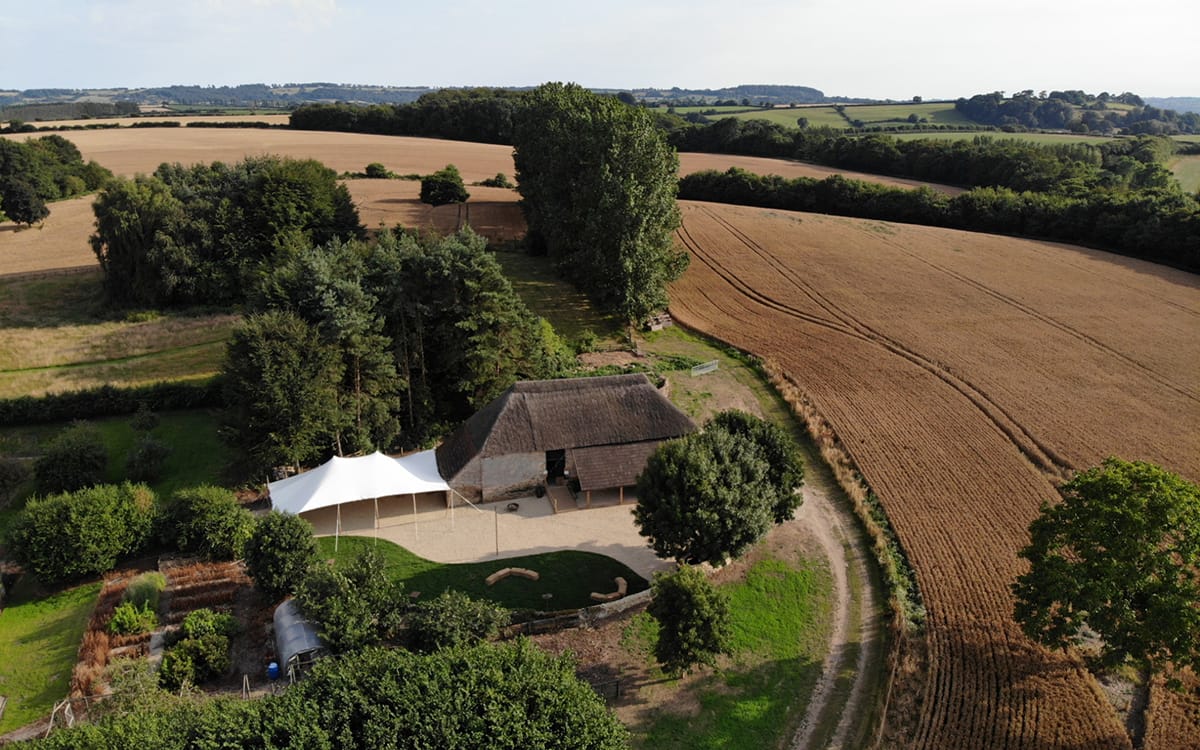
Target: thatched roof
599,467
543,415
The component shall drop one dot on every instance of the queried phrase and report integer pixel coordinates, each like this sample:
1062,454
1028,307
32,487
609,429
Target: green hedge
109,401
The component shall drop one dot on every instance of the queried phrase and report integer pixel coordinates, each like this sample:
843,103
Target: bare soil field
966,374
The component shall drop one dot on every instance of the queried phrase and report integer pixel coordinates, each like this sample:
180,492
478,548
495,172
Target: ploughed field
966,374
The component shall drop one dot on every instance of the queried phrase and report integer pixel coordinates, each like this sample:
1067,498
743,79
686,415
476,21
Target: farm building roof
602,466
543,415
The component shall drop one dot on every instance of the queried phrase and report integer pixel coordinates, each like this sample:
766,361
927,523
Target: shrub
500,181
377,171
128,618
145,461
193,661
74,459
204,621
144,590
206,520
693,619
279,550
13,473
82,533
354,605
444,186
143,420
453,619
109,401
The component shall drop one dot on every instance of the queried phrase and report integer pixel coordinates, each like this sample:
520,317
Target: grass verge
568,576
39,639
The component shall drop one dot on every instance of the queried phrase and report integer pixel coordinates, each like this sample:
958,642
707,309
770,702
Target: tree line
1161,225
1076,111
39,170
981,161
482,115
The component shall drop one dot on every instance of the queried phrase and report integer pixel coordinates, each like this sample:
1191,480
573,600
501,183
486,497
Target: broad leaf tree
705,497
785,470
1121,555
444,186
279,551
597,183
693,620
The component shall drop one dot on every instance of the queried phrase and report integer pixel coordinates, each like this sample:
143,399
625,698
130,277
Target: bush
500,181
82,533
109,401
145,460
444,186
279,550
377,171
206,520
453,619
203,622
355,605
74,459
128,618
13,473
193,661
143,420
144,590
693,620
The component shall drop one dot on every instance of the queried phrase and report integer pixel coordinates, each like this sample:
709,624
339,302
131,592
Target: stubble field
966,374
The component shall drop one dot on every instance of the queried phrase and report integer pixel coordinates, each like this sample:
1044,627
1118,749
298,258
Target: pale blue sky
865,48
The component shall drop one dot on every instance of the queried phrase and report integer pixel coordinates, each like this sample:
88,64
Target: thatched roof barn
600,430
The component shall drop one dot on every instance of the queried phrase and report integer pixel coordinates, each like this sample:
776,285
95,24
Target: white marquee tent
347,480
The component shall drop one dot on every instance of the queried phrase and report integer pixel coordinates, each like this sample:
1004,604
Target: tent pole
377,520
337,528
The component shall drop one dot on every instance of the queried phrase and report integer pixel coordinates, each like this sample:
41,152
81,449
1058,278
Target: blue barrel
273,671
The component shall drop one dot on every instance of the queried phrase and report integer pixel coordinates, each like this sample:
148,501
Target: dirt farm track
966,374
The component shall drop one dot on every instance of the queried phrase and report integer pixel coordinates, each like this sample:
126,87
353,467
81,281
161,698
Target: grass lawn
537,283
197,455
568,575
780,618
39,639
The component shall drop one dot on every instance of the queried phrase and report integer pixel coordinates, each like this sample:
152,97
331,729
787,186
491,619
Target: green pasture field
939,113
197,454
780,618
722,110
1187,170
39,639
1047,138
536,282
569,576
55,335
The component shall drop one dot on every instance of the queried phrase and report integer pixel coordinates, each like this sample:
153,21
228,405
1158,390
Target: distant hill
1177,103
754,94
245,95
291,95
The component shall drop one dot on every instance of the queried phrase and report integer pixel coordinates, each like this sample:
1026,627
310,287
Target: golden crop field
62,241
966,374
